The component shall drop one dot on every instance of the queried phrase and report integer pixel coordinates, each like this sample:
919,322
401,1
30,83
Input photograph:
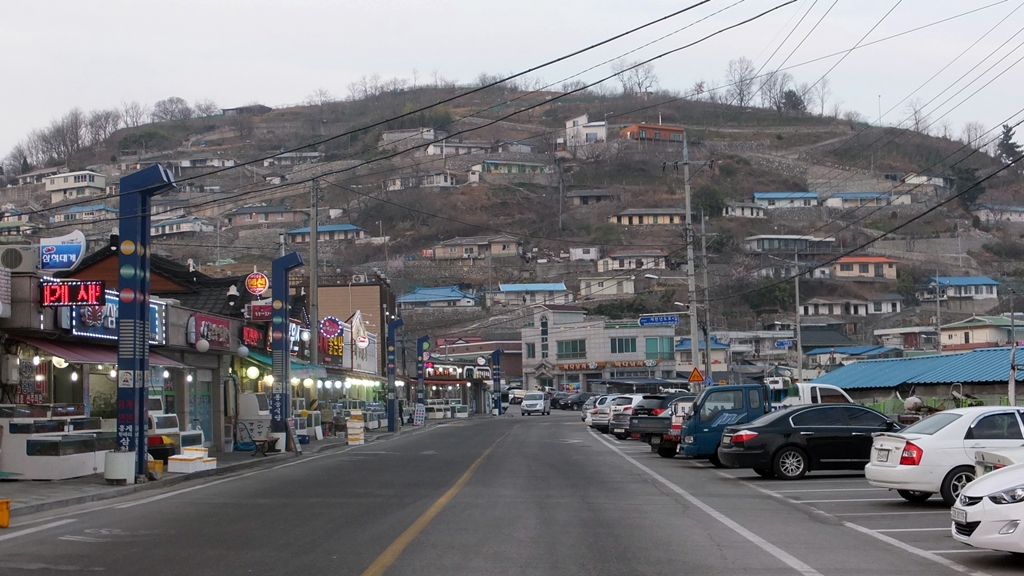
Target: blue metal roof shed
984,365
962,281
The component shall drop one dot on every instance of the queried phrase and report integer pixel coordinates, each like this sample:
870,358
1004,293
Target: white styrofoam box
184,464
355,442
195,451
209,463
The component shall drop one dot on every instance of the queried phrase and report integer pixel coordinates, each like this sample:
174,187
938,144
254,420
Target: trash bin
161,452
5,513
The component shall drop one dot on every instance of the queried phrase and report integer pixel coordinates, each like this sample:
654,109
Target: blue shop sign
101,321
62,252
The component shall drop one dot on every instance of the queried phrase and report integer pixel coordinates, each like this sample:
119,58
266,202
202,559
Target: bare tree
415,77
946,129
101,124
133,114
635,78
822,90
740,77
773,89
836,109
572,85
437,78
319,97
916,115
853,116
204,108
699,90
972,134
173,109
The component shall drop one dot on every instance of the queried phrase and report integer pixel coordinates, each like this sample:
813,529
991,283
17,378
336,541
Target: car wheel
715,461
622,436
790,463
765,472
954,482
666,452
914,495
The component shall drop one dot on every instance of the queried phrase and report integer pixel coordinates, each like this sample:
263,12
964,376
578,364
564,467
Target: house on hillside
756,346
180,226
978,332
522,294
438,297
743,210
772,266
13,231
909,337
248,110
961,293
785,199
843,355
502,171
75,185
594,196
847,200
607,286
655,132
86,213
434,179
580,131
992,213
649,216
8,213
39,175
720,353
890,303
788,243
920,179
864,267
292,159
478,247
325,233
265,216
516,147
632,259
584,253
410,138
449,148
834,307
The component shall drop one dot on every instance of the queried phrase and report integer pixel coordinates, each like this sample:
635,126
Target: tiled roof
859,195
531,287
89,208
260,209
864,259
648,253
852,350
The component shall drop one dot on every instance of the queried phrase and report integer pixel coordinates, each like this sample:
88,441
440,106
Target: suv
600,414
535,402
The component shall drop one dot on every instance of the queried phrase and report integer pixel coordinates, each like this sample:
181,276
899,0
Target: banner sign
213,329
62,252
261,312
101,321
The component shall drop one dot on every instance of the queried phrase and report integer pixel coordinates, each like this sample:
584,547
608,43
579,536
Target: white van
784,393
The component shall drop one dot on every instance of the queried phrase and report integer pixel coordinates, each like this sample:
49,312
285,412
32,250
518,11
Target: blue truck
716,408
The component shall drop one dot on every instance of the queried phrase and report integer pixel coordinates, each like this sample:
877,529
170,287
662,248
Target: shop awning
298,369
81,353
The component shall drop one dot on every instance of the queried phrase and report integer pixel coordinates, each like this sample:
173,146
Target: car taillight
911,455
627,409
743,436
658,411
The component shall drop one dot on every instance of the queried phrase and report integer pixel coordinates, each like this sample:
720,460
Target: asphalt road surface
539,495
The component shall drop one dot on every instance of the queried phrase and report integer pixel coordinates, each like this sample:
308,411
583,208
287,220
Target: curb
165,482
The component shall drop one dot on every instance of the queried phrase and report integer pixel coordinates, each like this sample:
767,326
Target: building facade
75,185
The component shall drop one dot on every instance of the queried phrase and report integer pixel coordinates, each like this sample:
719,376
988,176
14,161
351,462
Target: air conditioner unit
359,279
10,371
20,258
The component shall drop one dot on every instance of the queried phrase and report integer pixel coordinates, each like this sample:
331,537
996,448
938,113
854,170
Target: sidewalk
31,496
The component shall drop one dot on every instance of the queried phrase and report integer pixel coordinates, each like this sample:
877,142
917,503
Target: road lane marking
36,529
869,532
768,547
388,557
845,500
81,539
964,551
830,490
943,529
943,512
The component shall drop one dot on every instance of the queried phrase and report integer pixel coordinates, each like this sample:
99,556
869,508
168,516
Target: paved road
539,495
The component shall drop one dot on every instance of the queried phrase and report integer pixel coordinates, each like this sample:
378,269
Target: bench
264,445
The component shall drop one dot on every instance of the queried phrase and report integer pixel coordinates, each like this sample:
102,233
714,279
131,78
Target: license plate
959,515
726,440
618,431
882,456
655,439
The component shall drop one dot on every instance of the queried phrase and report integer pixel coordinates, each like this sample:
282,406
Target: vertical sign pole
280,400
496,378
133,253
422,344
392,391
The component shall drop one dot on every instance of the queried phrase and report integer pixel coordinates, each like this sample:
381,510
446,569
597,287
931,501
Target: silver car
601,413
535,402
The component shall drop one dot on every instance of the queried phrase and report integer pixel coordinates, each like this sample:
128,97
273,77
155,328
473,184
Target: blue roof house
438,297
974,294
785,199
527,294
329,232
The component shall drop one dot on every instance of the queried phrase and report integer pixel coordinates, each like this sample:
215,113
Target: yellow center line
388,557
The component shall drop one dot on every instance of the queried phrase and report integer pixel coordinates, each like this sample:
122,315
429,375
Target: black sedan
574,401
788,443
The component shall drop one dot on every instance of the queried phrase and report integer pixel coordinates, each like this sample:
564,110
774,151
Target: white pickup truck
785,393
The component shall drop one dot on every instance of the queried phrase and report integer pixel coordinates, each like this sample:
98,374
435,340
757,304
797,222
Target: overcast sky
56,55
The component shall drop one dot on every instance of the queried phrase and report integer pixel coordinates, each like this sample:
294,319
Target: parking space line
943,512
964,551
943,529
846,500
768,547
831,490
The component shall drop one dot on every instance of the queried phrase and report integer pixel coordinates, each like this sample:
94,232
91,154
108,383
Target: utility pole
561,193
690,276
281,239
314,282
1012,389
799,340
707,299
938,312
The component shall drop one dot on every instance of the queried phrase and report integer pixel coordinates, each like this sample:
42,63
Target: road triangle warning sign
696,376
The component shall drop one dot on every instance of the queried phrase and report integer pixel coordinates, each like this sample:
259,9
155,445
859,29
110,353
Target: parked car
937,454
600,414
574,401
557,398
787,444
990,510
535,402
716,408
586,408
515,395
621,410
659,424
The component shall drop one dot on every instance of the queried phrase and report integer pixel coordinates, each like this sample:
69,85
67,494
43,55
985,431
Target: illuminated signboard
213,329
101,321
72,293
253,337
256,283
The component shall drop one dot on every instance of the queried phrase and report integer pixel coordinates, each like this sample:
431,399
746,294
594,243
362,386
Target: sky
56,55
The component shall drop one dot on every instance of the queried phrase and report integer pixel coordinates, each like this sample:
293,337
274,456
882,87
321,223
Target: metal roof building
984,366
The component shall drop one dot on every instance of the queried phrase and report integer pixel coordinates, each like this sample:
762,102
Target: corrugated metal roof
985,365
851,350
857,195
963,280
328,228
530,287
436,294
784,195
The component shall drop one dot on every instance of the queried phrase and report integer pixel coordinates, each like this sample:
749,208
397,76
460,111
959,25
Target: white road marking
943,529
80,539
873,533
964,551
943,512
830,490
36,529
847,500
772,549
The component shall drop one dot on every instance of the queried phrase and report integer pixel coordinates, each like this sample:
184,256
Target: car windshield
534,396
931,424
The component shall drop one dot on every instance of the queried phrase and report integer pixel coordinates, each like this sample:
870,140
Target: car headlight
1011,496
688,440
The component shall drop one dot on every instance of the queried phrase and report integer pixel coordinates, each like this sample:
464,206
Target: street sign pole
133,253
422,344
392,390
496,378
281,401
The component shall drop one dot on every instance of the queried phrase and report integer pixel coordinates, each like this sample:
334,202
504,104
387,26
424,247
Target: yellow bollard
5,513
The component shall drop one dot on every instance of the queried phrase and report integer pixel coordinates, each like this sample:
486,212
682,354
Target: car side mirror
889,425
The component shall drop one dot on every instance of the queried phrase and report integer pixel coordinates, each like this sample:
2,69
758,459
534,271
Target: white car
600,414
619,412
990,510
535,402
936,455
